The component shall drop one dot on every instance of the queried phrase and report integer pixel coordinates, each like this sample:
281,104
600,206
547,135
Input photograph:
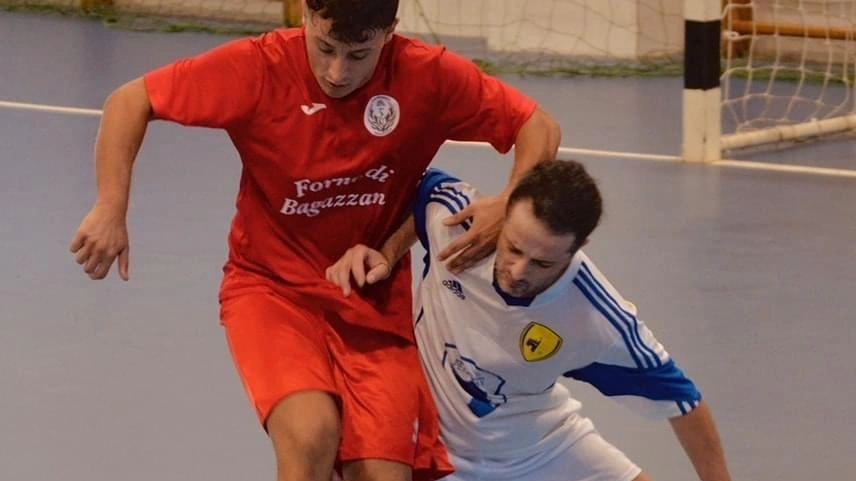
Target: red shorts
280,348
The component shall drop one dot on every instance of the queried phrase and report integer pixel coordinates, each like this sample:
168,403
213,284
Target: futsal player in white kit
495,339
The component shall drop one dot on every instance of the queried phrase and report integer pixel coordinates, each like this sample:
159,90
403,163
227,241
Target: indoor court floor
747,276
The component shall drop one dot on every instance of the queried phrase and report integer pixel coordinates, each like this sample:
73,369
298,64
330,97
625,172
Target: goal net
787,66
788,70
598,37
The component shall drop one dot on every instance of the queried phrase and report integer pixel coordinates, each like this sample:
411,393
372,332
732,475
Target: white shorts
589,458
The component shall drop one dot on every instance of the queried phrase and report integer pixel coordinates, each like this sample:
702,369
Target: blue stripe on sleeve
458,198
591,296
428,187
628,320
450,195
607,303
432,189
663,383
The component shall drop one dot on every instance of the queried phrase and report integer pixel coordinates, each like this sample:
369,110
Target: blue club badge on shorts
381,115
538,342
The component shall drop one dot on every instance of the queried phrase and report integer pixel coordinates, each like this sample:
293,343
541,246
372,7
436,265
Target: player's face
529,257
339,67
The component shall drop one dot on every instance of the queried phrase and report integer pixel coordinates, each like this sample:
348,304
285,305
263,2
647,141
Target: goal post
292,12
701,122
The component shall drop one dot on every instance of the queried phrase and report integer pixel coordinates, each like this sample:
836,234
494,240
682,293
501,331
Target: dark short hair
355,21
564,197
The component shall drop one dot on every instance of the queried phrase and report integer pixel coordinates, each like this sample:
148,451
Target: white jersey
493,361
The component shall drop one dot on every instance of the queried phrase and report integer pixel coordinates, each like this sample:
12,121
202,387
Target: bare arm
400,242
367,265
537,141
127,112
697,434
102,235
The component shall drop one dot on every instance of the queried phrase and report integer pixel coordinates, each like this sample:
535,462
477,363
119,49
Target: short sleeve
218,88
477,107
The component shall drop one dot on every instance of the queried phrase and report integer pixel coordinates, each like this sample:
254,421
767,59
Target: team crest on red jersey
381,115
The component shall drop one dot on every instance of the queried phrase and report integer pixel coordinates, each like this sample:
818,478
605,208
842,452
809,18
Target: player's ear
390,31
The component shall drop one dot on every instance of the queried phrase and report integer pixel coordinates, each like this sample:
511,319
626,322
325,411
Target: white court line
742,164
50,108
568,151
798,169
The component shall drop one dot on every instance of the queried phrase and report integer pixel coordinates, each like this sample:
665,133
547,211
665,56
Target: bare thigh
305,430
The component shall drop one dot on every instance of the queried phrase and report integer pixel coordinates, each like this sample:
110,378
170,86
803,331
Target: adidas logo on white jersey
455,287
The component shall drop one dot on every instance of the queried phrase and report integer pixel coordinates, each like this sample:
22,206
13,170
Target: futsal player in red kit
334,124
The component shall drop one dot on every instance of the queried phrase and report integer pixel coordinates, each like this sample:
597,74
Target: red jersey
322,174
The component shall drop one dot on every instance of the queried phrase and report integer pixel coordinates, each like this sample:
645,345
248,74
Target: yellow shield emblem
538,342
